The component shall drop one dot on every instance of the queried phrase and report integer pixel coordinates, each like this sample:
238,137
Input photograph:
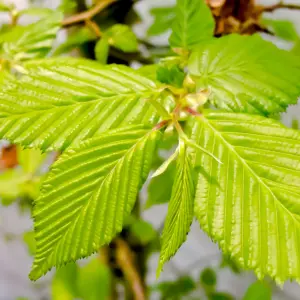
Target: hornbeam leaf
246,74
250,203
63,100
181,208
193,24
31,41
88,193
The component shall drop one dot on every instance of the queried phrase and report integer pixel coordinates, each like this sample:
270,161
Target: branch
125,260
87,15
279,5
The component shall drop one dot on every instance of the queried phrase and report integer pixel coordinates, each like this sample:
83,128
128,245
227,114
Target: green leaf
89,191
282,28
94,281
220,296
122,37
193,24
30,159
172,75
11,185
250,203
5,7
28,238
208,279
181,208
149,71
36,11
258,290
102,50
31,41
74,40
242,79
296,49
64,285
163,17
144,231
65,100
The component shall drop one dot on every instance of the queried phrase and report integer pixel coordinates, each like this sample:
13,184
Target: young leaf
31,41
257,291
61,101
193,24
250,203
36,11
5,7
102,50
282,28
88,193
163,17
172,75
28,238
246,74
30,159
121,37
181,208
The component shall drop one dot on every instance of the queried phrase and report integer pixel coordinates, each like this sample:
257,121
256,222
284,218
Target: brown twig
87,15
94,27
279,5
125,260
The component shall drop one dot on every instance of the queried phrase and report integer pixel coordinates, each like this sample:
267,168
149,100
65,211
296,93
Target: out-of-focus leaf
282,28
170,75
30,159
175,289
67,6
76,39
101,50
29,240
94,281
221,296
163,18
228,262
296,49
144,231
149,71
258,290
5,6
122,37
208,279
64,285
36,11
11,185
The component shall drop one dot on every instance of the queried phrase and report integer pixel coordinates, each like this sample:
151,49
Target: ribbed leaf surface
246,74
181,208
31,41
193,24
61,101
250,203
88,193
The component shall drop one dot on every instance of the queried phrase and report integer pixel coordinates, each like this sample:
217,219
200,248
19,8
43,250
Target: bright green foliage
102,50
243,79
61,101
30,159
143,231
281,28
31,41
163,17
193,24
121,37
5,7
88,193
64,283
28,238
94,281
172,75
36,11
180,210
257,291
249,204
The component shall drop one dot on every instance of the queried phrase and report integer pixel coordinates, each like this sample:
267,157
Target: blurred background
195,255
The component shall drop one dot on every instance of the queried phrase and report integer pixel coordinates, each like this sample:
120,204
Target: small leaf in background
30,159
101,50
175,289
94,281
172,75
75,39
258,290
122,37
208,279
193,24
11,185
160,187
149,71
36,11
230,263
222,296
282,28
163,17
29,240
5,7
67,6
143,231
64,283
